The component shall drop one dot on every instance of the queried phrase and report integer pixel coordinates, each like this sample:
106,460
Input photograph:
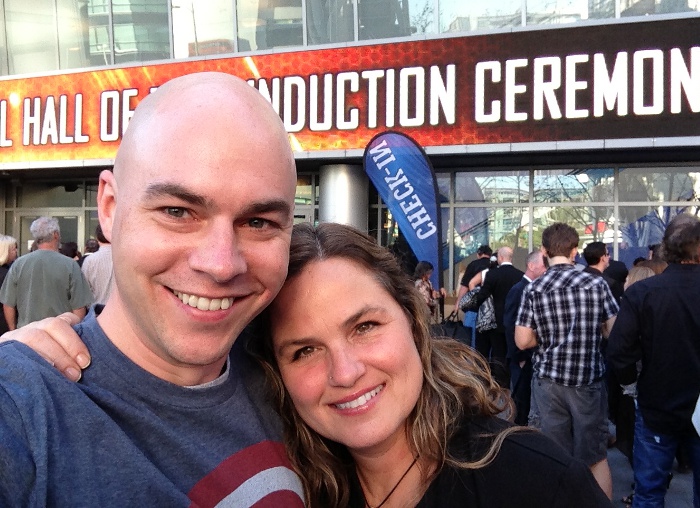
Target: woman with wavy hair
377,412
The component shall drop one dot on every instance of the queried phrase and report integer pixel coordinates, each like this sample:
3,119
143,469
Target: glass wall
627,208
202,28
47,35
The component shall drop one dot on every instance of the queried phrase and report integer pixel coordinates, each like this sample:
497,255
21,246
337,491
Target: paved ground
680,494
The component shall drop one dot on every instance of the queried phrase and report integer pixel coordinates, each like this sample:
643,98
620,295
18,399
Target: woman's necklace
395,486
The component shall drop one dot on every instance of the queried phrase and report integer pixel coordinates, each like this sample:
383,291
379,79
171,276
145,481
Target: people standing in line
659,324
171,411
598,259
70,249
482,262
520,362
44,283
98,269
91,246
8,253
492,343
565,314
616,270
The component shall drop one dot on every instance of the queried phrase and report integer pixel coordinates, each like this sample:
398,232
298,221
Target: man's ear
107,202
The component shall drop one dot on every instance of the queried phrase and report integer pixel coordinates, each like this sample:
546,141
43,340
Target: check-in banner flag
400,170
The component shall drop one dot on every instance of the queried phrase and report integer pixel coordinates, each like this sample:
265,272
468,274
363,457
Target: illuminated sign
591,82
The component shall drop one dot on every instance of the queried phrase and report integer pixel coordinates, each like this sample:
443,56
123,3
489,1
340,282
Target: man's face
200,223
538,267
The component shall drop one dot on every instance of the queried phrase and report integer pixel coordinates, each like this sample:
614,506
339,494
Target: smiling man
199,213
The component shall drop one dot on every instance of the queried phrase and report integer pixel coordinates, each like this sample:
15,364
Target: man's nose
219,253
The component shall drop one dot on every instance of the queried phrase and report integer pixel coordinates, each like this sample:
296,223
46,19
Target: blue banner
405,180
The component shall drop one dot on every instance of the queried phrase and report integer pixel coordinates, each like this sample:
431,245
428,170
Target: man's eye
258,223
175,211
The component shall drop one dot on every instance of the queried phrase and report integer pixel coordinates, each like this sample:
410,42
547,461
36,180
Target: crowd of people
239,360
54,277
586,333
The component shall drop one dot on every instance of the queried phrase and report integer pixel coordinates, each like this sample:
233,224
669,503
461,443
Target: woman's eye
365,327
302,352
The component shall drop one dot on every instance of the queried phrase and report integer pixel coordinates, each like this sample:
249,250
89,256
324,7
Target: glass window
443,183
492,187
31,36
91,195
330,21
141,30
600,9
577,185
593,223
380,19
497,227
421,15
461,16
73,34
202,28
659,184
554,12
264,24
305,192
3,47
642,226
49,194
644,7
91,222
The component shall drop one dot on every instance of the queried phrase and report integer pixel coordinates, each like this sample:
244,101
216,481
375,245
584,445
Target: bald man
198,211
492,343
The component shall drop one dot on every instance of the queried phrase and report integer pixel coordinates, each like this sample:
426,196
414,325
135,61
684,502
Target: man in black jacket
492,344
520,362
598,259
659,324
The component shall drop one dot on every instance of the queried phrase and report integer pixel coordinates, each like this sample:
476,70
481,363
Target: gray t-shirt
42,284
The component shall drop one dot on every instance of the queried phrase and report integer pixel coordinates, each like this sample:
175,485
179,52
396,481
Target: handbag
468,300
452,327
486,317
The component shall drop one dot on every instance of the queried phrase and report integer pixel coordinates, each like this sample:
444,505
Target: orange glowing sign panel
623,80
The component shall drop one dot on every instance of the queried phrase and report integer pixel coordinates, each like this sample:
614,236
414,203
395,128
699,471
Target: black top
473,268
498,283
530,471
616,288
659,323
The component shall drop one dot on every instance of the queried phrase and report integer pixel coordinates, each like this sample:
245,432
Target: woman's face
345,350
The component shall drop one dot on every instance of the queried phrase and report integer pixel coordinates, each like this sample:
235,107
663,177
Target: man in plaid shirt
565,314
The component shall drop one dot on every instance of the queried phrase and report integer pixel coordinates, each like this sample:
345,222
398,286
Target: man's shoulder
24,374
49,258
518,287
567,276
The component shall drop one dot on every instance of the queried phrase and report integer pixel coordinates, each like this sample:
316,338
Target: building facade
530,111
